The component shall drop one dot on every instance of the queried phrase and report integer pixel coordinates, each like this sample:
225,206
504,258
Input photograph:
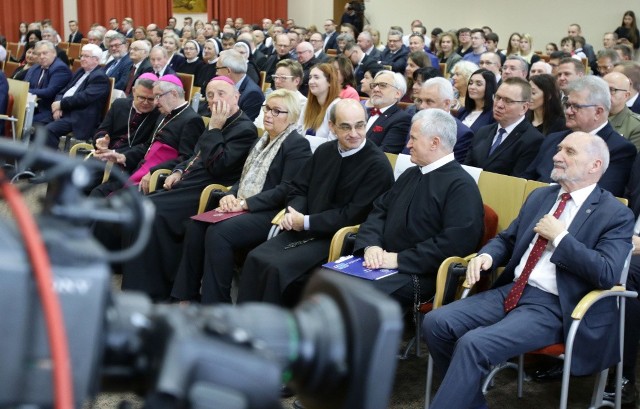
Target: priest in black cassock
335,189
433,211
219,157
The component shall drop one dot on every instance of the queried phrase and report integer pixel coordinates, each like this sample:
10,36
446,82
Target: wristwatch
242,203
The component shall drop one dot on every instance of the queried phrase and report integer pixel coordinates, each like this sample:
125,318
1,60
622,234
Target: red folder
214,216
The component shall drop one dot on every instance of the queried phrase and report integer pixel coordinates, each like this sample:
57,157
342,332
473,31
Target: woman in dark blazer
478,104
275,159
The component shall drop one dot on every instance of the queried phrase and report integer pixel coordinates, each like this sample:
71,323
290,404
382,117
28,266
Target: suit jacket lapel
585,211
510,140
484,149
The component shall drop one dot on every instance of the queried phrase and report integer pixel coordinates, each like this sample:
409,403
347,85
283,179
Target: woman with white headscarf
252,71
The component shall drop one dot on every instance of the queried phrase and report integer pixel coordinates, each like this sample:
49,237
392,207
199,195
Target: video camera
336,349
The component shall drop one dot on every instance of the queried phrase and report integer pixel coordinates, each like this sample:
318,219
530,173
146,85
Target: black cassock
425,219
335,192
219,158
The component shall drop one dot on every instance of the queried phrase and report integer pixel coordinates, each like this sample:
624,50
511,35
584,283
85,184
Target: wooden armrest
441,279
206,193
596,295
78,146
338,240
278,217
153,182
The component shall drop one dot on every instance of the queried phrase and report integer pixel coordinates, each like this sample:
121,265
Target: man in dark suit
51,35
307,59
138,54
581,247
331,35
46,80
509,145
399,233
317,42
587,110
361,63
631,70
127,27
365,42
118,68
282,46
396,53
75,36
437,93
232,64
388,124
78,107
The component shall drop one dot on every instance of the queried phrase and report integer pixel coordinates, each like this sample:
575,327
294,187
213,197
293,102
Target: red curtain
142,12
29,11
251,11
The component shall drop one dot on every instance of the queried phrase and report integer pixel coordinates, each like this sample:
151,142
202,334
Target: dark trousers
208,255
467,337
632,323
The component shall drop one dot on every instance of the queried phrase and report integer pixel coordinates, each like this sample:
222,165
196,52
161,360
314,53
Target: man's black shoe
629,391
297,404
546,375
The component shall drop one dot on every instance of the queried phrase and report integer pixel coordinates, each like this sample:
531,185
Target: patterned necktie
536,252
132,75
41,80
498,141
374,111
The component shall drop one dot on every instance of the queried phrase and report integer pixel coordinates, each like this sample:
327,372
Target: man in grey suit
551,262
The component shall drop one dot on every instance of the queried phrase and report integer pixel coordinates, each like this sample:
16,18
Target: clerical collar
353,151
437,164
176,110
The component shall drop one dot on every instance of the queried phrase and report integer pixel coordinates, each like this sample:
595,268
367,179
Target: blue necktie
498,141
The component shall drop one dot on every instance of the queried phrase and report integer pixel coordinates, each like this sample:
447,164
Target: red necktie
374,111
516,291
132,74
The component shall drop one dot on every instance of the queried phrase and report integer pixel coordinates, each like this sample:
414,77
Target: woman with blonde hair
171,43
324,91
209,249
461,73
526,49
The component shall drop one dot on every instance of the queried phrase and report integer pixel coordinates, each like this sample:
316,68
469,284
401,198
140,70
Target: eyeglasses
274,111
142,99
281,77
135,49
360,126
382,85
111,45
157,97
603,67
87,56
568,106
614,90
220,67
506,101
